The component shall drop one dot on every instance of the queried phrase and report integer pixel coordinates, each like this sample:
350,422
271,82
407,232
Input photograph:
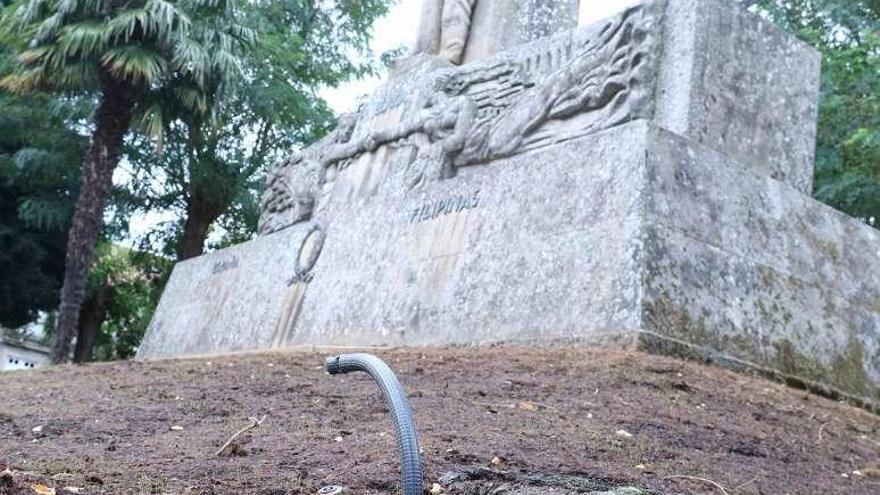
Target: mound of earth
524,420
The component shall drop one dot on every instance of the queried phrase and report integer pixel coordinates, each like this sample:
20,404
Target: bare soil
620,417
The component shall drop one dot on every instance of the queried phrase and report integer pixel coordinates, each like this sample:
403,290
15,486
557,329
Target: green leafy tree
125,52
847,33
39,157
122,292
212,170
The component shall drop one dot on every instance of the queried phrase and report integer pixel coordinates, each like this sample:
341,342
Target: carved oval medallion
309,251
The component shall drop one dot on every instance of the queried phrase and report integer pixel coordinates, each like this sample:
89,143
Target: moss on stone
768,276
791,362
830,248
848,369
845,371
664,317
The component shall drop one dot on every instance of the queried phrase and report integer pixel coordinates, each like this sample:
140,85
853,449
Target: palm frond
24,81
76,76
150,120
84,39
32,11
124,25
243,34
191,58
135,63
49,27
208,3
36,55
192,99
45,214
66,7
168,18
225,62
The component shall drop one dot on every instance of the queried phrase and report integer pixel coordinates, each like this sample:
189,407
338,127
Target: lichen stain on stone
829,248
848,370
663,317
845,371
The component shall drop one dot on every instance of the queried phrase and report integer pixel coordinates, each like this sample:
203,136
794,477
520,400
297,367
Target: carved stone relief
290,194
294,189
308,255
543,93
556,92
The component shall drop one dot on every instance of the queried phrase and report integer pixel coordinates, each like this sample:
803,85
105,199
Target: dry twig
704,480
822,428
255,423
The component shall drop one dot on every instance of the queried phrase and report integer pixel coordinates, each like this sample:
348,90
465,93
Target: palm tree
127,53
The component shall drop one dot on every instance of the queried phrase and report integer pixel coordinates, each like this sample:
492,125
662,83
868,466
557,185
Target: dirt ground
654,422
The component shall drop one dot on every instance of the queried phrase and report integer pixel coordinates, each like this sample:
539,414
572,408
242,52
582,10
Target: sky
398,28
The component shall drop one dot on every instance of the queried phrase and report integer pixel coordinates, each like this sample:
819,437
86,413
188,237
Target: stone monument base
633,234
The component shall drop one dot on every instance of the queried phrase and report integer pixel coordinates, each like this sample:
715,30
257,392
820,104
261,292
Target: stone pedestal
641,181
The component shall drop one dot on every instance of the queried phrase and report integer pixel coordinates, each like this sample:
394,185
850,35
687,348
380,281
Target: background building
18,354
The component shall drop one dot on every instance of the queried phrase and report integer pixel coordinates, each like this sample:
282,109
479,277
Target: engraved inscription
446,206
224,265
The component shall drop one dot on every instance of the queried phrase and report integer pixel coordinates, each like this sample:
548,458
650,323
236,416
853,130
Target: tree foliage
39,158
128,284
139,58
212,170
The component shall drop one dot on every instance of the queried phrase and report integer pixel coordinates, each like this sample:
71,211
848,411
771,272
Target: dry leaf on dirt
42,489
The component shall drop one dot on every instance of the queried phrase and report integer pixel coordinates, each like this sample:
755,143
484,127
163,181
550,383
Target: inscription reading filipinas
225,265
446,206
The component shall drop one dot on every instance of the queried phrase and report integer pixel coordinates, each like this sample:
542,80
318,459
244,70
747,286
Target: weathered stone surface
641,179
746,267
227,300
501,24
461,31
633,231
490,255
705,70
736,83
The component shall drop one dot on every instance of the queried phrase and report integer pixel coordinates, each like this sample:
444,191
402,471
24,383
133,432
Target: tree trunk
91,316
201,212
112,121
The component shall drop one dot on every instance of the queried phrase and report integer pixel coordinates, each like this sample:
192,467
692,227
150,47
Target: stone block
227,300
630,233
747,270
736,83
511,251
705,69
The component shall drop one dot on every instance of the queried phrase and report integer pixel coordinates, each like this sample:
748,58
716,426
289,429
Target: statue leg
430,26
456,27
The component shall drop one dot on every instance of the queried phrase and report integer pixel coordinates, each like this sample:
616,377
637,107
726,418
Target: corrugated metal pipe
395,397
